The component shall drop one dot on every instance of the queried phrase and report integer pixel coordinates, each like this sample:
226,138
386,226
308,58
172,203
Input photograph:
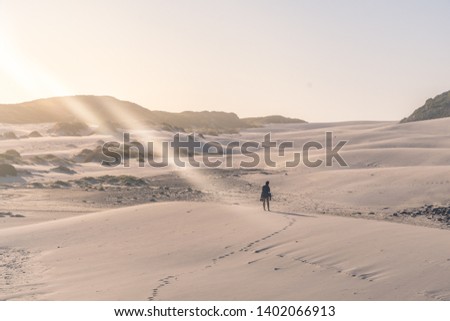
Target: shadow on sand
293,214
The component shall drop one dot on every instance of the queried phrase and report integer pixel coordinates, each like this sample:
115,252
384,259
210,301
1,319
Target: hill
274,119
437,107
67,109
109,111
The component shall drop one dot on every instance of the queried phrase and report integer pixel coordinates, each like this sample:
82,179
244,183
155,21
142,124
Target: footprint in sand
163,282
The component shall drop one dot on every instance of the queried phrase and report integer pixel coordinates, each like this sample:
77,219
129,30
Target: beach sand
201,234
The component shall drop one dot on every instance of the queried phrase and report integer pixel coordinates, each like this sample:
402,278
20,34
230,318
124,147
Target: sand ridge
179,234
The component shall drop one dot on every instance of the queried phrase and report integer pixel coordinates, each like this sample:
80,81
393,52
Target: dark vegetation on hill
74,128
110,113
275,119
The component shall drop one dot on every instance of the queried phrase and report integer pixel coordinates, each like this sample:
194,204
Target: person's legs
264,203
268,207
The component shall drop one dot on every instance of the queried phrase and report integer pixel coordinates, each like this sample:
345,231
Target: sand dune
192,251
334,233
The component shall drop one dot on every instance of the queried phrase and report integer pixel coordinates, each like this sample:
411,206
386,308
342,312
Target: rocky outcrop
437,107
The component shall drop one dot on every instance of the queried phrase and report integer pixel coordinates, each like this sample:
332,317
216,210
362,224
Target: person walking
266,196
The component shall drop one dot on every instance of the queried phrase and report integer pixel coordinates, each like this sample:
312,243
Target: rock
34,134
91,156
37,185
11,156
437,107
439,214
60,184
63,170
50,159
7,170
123,180
9,135
70,129
12,153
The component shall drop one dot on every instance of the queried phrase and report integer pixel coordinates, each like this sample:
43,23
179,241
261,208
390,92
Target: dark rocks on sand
11,156
63,170
9,135
50,159
7,170
60,184
90,155
34,134
37,185
70,129
4,214
13,153
438,213
123,180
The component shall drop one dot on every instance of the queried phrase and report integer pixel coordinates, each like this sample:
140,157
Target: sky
316,60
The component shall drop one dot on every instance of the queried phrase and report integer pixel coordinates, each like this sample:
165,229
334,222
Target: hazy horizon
318,61
198,110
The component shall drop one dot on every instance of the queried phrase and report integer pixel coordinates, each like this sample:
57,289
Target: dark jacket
265,191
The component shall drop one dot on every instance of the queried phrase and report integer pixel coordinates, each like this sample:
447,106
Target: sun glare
35,79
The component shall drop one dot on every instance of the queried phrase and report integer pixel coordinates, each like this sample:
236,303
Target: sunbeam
35,79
